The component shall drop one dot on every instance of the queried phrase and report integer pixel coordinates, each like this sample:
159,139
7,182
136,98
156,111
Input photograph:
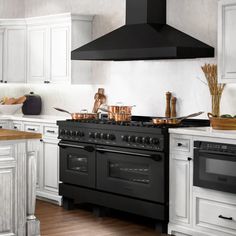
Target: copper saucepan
119,108
118,117
174,120
83,115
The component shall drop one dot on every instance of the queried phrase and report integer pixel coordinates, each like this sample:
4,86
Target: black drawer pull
0,127
190,159
50,131
179,144
225,218
31,129
15,127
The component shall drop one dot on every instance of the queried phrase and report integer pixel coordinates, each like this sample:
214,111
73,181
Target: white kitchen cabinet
226,41
50,41
15,55
180,189
51,166
37,54
1,53
5,124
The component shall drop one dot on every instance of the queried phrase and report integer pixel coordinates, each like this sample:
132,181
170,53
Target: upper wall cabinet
50,40
12,51
226,41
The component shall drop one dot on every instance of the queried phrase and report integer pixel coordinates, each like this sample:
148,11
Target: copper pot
118,109
83,115
122,117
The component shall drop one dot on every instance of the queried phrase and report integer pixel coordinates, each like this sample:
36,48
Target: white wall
142,83
12,8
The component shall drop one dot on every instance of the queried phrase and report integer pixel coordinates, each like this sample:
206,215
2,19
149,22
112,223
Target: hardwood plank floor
55,221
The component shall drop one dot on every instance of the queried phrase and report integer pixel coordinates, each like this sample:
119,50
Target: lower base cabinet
49,170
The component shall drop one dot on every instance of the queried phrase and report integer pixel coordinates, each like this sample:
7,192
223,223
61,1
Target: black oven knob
67,132
138,139
124,138
62,132
111,137
81,134
104,136
155,141
146,140
73,133
91,135
131,139
97,135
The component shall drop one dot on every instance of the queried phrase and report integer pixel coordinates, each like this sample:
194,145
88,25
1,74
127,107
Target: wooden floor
55,221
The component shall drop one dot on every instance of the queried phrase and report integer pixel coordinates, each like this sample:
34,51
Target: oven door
77,164
215,171
132,173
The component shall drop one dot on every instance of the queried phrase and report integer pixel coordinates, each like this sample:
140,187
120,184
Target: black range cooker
123,166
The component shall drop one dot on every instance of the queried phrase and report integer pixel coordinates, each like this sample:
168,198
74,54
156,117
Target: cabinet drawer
17,126
4,125
6,153
50,131
180,144
215,215
32,128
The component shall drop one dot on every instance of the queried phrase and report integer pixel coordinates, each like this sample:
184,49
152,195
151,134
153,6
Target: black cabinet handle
50,131
190,159
5,82
0,127
225,218
1,81
179,144
15,127
47,82
31,129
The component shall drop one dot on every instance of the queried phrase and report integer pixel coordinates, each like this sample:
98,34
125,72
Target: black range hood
145,36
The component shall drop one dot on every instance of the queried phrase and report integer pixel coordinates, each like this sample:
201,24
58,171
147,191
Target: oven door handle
86,148
154,157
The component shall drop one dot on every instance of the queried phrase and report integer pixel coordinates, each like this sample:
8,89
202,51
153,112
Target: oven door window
215,171
77,166
132,173
129,171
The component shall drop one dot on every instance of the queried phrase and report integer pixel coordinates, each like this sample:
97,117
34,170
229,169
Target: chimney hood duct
145,36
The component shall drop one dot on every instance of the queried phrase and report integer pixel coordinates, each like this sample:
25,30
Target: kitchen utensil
168,109
82,115
118,108
118,117
219,123
173,120
173,112
32,104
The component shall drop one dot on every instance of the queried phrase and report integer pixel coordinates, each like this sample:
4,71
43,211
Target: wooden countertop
6,134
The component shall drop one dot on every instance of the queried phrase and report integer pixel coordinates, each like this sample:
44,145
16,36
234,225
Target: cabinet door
50,165
1,53
15,55
8,201
226,41
60,54
179,189
37,52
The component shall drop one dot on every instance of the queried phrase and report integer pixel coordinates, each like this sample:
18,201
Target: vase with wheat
216,89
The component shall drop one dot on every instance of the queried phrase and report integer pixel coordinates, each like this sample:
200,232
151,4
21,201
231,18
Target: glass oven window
221,167
133,172
77,162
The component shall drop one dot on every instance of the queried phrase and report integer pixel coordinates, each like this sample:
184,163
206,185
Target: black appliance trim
145,36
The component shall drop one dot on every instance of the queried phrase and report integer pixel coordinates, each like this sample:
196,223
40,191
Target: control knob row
105,136
71,133
138,139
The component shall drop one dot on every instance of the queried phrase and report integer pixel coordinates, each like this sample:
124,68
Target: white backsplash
142,83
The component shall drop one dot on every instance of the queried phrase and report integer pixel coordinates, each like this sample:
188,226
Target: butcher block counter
6,134
18,183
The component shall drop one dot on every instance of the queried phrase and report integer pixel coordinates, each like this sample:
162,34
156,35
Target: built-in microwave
215,166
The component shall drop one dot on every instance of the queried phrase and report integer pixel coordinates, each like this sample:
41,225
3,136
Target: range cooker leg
101,211
68,204
161,226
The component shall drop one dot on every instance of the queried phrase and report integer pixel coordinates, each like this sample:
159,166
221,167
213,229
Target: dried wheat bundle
210,72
